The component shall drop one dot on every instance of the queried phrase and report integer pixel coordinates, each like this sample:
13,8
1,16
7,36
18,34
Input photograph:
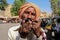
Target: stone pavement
4,30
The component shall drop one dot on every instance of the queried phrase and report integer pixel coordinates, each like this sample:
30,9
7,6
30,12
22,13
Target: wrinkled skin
32,23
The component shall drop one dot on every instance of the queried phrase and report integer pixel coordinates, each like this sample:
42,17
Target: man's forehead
31,9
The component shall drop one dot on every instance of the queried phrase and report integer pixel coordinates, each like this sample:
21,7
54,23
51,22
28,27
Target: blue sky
44,5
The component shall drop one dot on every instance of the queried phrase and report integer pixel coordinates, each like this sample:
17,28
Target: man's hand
35,25
26,26
36,28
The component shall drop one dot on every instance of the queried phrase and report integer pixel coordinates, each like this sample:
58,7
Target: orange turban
27,5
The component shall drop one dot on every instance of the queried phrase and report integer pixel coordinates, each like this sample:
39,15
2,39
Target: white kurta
14,35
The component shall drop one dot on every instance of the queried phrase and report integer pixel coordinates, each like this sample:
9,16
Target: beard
24,34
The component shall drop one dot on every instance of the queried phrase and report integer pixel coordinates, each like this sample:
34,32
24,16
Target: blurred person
43,23
56,29
29,28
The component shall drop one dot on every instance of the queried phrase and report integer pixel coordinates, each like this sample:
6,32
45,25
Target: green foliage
54,6
16,6
3,4
58,8
58,12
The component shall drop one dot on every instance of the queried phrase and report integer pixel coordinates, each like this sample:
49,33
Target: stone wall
7,12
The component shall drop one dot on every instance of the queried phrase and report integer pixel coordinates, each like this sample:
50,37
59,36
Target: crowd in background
51,27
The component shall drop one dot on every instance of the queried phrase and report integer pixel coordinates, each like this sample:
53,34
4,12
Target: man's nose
29,16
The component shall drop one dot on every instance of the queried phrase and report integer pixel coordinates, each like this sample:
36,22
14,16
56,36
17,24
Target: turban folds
27,5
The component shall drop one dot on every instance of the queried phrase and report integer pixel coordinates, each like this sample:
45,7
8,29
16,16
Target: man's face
29,13
29,21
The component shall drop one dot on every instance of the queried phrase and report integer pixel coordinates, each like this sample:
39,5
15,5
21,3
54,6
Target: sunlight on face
29,13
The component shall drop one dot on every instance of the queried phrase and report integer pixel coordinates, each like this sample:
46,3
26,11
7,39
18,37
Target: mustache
28,19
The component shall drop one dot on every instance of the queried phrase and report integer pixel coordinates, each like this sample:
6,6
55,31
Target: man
29,28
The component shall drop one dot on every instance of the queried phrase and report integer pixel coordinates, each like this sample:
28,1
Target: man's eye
26,12
33,14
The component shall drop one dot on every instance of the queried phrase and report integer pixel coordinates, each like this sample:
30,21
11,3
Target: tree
3,4
16,6
59,7
54,6
58,12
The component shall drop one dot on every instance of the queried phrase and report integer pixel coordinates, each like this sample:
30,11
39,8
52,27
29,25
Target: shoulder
42,29
12,34
14,27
